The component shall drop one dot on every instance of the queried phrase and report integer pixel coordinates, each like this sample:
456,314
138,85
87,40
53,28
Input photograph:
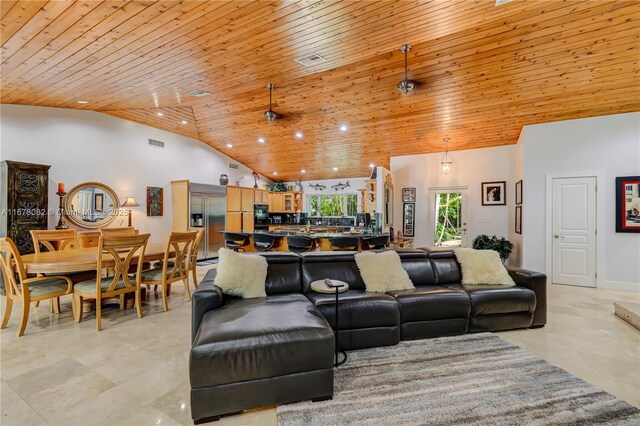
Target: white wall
470,168
354,184
609,145
85,146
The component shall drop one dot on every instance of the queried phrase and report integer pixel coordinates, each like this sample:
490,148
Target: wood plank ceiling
485,71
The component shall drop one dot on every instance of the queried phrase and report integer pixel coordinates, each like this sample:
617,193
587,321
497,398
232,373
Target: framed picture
154,201
98,203
519,192
628,204
518,219
408,195
494,194
408,219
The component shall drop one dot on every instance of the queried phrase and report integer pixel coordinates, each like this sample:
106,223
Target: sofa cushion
418,266
358,309
490,300
429,302
382,271
248,339
336,266
445,266
283,273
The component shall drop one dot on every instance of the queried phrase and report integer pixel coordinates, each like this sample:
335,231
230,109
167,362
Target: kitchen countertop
312,234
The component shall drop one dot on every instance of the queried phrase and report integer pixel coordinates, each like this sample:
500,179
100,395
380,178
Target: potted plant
503,246
277,187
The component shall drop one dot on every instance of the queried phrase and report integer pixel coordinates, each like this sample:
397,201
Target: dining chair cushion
89,286
155,274
243,275
53,285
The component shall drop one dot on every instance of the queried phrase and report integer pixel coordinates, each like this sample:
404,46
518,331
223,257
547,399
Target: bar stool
344,243
301,244
263,242
236,241
375,243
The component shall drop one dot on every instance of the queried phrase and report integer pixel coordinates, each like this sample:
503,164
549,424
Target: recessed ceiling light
372,165
344,127
229,145
261,140
160,114
303,171
335,169
299,134
275,173
184,121
83,102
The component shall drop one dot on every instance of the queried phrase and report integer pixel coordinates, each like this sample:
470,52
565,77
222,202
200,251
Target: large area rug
475,379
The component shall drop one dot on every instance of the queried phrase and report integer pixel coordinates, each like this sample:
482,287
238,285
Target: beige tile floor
135,371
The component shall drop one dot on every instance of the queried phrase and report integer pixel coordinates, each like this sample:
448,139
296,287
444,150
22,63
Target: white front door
574,231
448,217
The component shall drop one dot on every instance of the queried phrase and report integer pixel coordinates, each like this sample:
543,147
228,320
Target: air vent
310,60
156,143
501,2
198,93
233,166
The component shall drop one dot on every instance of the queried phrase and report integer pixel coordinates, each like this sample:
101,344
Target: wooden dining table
84,259
81,259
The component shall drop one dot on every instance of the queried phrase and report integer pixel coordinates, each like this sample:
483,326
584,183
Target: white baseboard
618,285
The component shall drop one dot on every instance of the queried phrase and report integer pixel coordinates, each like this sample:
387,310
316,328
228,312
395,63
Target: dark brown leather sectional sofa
249,353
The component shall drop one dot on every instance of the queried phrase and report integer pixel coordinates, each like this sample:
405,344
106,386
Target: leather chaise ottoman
251,351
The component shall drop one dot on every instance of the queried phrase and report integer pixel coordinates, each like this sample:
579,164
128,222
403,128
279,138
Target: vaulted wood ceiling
485,71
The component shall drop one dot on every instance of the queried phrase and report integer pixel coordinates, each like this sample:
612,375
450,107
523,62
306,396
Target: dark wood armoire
24,201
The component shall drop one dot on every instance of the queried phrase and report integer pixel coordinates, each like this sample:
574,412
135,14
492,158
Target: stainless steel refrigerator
207,209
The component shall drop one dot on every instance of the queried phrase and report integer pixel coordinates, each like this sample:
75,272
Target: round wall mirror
91,205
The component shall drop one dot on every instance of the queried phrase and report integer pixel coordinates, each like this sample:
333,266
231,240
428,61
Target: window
333,205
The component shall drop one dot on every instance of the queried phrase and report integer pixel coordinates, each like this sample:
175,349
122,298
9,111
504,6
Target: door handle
556,236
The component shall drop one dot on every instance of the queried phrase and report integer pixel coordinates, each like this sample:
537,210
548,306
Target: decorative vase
298,186
224,180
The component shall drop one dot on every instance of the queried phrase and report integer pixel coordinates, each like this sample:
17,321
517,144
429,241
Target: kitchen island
320,233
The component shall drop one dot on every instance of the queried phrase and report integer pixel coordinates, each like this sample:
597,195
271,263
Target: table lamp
130,202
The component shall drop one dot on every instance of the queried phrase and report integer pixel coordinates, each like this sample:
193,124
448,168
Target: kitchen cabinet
234,199
247,199
276,202
247,222
261,196
234,222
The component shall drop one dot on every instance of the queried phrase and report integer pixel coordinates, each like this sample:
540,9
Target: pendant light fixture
446,160
270,115
406,85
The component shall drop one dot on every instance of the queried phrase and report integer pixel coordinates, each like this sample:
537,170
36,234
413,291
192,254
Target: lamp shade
130,202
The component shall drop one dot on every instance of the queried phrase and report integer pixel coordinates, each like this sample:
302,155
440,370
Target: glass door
448,217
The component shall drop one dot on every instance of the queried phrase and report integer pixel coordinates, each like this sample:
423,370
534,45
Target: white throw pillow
482,267
241,275
382,272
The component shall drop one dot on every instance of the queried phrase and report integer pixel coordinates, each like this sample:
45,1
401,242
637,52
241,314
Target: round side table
321,287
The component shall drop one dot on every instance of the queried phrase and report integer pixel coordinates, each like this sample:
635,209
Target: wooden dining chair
181,243
119,254
26,290
119,232
193,256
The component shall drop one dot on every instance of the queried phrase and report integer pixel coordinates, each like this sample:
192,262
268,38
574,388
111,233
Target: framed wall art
494,194
408,195
518,220
155,201
408,219
519,192
628,204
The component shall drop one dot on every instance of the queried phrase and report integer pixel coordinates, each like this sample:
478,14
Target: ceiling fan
406,85
270,114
